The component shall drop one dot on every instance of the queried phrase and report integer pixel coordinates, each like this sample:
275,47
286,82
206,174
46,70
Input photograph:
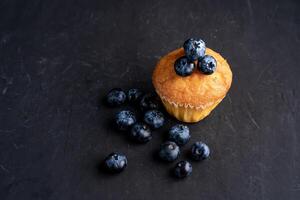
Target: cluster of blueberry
194,50
140,132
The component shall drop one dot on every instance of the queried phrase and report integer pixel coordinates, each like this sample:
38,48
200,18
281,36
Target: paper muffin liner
187,112
187,105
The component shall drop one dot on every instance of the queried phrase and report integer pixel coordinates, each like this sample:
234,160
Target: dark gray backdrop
59,58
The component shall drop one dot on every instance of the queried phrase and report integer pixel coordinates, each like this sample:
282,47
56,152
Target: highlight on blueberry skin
134,95
169,151
180,134
116,97
141,133
183,169
115,162
149,102
194,49
154,118
200,151
183,67
125,119
207,65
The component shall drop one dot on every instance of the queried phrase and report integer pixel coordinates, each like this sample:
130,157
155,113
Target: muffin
192,97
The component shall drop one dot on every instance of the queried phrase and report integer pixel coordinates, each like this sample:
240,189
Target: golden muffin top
196,90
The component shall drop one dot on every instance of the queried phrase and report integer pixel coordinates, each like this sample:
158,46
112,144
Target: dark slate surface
59,58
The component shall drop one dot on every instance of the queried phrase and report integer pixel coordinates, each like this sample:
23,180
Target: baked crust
195,91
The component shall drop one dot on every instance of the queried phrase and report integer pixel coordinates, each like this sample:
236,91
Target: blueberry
200,151
141,133
194,49
115,162
125,119
179,134
116,97
183,169
149,102
207,65
169,151
183,67
134,95
154,118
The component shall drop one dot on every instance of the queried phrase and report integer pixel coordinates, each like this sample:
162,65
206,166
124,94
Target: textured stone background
59,58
